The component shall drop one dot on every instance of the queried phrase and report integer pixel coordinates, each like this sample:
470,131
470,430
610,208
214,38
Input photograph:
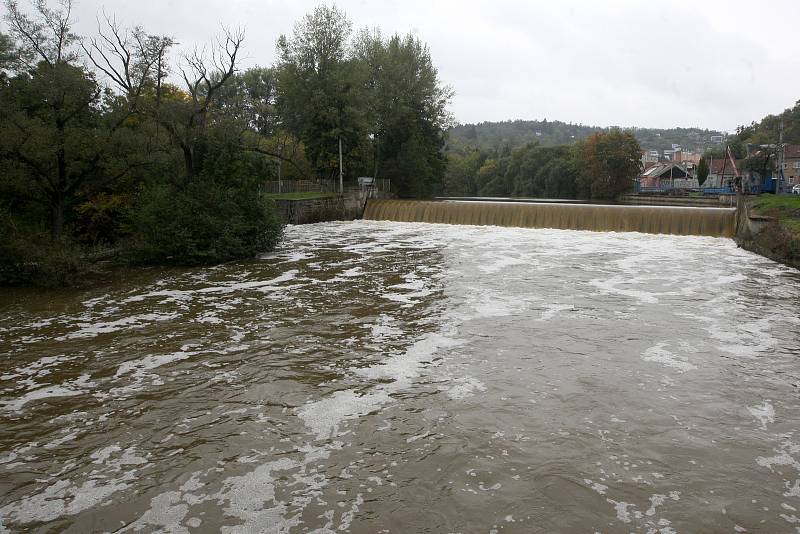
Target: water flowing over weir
714,222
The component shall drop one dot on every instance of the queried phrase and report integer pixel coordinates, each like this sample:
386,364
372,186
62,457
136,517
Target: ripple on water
373,375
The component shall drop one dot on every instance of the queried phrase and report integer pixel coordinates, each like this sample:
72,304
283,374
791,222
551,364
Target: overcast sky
714,64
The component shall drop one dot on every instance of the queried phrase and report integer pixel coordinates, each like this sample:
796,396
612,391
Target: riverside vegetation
111,150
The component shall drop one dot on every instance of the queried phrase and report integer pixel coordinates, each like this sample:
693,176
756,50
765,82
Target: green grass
766,202
786,208
303,195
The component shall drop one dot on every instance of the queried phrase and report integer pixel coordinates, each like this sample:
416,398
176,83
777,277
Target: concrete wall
726,201
339,208
748,225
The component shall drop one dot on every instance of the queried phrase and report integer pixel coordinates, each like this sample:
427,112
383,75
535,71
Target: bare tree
130,58
46,35
204,75
134,60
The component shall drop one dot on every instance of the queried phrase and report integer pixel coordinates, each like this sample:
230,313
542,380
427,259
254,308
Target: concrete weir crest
715,222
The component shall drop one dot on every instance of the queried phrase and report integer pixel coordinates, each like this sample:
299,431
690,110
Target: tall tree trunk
57,217
188,161
58,200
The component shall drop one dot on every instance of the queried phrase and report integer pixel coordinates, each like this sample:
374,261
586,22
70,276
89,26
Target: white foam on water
167,296
659,354
494,263
553,310
655,501
601,489
68,389
324,417
65,438
291,256
348,516
785,456
137,367
792,489
765,413
417,289
464,387
384,330
63,498
166,513
40,367
745,339
182,296
621,508
87,330
251,499
354,272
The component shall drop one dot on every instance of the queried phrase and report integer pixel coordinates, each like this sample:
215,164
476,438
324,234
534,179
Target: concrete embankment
725,201
346,207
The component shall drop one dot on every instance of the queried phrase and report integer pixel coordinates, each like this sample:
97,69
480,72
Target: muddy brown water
405,377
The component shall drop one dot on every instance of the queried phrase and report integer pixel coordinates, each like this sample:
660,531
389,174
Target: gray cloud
657,63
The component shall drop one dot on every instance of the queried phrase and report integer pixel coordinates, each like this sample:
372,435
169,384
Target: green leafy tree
50,136
462,172
50,115
319,88
611,161
408,113
702,171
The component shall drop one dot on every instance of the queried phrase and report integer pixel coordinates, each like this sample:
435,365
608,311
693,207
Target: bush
28,256
202,223
102,219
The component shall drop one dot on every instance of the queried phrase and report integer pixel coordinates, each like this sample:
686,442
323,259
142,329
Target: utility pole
279,175
341,173
780,161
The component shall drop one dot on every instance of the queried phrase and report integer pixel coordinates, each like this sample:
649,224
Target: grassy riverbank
782,207
780,239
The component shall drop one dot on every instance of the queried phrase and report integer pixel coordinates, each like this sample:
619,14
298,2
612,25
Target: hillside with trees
518,133
768,129
603,166
110,148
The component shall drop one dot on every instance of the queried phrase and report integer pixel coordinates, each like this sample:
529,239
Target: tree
611,161
250,100
51,136
702,171
408,112
8,56
319,88
49,114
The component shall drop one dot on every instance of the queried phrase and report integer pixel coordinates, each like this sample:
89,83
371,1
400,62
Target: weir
715,222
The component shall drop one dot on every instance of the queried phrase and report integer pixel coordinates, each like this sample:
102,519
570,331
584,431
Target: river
407,377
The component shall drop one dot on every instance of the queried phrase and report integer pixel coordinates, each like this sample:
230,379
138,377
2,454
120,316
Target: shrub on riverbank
203,223
30,257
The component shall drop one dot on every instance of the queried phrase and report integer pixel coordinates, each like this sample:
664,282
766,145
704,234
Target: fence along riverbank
715,222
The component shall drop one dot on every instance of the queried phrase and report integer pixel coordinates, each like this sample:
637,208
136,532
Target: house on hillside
687,156
668,175
649,157
791,164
